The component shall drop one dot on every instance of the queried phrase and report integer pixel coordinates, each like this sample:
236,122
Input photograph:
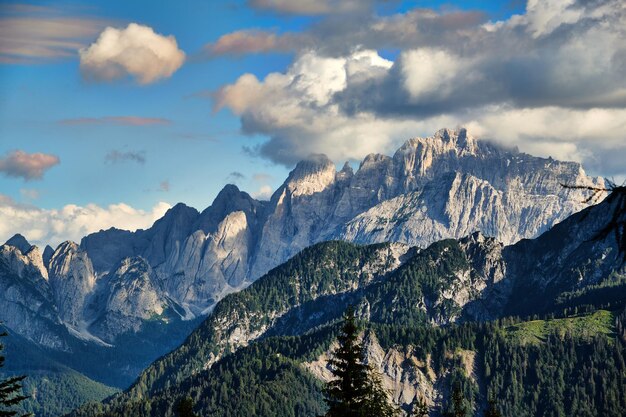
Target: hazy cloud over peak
28,166
135,51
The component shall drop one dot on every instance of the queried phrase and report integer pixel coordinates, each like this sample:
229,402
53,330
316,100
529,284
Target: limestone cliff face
72,279
132,297
28,305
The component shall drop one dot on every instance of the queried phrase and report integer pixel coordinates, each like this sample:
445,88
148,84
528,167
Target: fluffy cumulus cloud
28,166
71,222
135,51
550,80
297,110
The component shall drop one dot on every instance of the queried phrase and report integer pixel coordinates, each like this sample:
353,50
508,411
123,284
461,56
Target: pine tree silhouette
10,389
356,390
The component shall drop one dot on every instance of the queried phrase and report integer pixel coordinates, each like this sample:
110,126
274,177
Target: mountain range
143,292
565,288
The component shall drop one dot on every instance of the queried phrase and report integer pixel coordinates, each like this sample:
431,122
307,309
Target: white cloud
135,51
428,71
566,134
296,109
263,193
71,222
549,81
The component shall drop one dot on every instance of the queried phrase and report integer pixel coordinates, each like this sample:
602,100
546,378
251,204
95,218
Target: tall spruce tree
458,408
10,389
356,390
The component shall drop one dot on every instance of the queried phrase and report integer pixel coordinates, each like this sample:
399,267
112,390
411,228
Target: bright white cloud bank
136,51
71,222
550,81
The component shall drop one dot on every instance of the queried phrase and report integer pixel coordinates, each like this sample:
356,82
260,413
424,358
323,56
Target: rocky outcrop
405,376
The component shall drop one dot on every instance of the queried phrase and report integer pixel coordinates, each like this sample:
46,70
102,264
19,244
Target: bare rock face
27,301
72,279
132,298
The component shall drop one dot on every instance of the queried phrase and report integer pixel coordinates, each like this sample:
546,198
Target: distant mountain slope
53,389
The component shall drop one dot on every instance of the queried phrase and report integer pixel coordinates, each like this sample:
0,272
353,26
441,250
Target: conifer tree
458,403
10,389
356,390
184,408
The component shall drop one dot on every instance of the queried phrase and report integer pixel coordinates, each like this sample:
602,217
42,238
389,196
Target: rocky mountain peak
20,242
346,173
228,200
311,175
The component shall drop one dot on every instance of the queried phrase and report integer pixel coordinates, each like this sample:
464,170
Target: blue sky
90,130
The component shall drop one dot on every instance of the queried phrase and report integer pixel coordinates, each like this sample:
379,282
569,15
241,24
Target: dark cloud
235,177
29,166
164,186
116,156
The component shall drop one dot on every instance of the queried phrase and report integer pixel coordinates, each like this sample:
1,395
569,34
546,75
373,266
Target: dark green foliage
346,394
559,376
457,407
356,390
52,388
10,388
377,399
184,408
426,275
